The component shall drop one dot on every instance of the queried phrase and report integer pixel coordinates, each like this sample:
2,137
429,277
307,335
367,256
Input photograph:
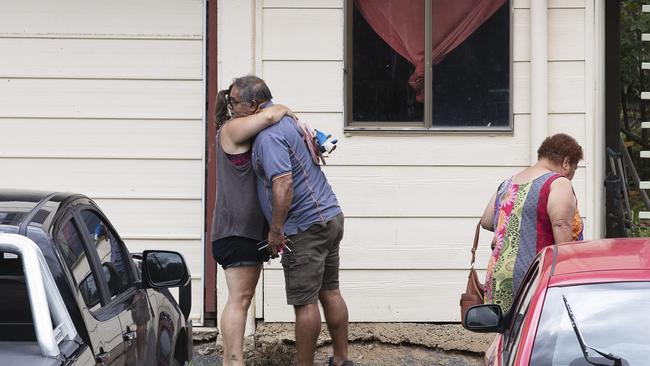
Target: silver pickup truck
72,294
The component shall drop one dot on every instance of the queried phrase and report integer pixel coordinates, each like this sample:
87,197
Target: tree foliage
633,53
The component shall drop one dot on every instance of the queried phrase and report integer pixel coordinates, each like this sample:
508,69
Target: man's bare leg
307,331
336,316
241,283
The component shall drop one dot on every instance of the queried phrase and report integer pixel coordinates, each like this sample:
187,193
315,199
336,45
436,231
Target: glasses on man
232,102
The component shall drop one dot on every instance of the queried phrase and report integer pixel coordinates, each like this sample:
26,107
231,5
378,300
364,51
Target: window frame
426,126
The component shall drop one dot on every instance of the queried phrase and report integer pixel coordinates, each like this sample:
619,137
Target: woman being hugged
532,209
238,224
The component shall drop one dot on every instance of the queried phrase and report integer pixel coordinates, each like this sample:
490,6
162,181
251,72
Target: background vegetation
634,80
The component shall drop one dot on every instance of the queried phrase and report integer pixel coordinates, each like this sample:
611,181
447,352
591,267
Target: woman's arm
487,220
561,208
240,130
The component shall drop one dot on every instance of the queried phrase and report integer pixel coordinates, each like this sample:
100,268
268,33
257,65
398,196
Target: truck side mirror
164,269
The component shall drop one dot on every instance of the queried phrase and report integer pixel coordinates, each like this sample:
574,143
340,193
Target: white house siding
411,201
107,99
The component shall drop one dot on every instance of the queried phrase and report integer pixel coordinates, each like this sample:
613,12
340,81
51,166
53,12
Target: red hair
558,147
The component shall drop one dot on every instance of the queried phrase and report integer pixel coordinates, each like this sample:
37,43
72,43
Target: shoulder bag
474,293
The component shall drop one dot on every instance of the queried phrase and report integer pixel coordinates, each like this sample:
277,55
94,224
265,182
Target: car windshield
612,318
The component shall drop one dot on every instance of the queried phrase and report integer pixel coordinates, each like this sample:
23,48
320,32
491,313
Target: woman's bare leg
241,282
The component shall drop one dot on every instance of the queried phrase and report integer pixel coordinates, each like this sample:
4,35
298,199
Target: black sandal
330,362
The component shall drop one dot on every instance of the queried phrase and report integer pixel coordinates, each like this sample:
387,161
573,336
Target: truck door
127,299
104,327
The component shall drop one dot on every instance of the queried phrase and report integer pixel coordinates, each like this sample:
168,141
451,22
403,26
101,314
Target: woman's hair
221,112
555,148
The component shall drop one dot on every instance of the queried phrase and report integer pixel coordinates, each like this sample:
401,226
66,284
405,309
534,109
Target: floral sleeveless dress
522,229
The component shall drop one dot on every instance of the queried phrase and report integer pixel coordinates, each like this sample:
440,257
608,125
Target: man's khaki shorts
313,264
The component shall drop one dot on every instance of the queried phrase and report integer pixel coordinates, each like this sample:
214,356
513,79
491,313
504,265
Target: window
111,253
70,246
389,87
612,318
15,310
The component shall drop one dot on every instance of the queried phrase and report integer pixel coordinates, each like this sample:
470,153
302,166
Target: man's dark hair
555,148
251,88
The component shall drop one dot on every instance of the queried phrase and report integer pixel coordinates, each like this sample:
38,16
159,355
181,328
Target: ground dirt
370,345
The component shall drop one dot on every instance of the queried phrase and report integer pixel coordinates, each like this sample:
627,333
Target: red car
583,303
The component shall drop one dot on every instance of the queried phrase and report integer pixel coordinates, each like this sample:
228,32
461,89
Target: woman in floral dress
530,210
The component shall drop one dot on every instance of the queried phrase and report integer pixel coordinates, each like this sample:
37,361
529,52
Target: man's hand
276,241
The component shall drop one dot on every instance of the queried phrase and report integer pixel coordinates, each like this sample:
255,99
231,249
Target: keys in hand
265,243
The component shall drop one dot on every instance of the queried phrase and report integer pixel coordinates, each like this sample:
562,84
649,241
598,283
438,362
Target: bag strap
476,234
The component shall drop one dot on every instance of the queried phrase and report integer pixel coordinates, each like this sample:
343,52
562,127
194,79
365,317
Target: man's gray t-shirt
280,150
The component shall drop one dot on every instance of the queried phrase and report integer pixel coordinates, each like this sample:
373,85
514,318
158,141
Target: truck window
70,246
15,310
110,251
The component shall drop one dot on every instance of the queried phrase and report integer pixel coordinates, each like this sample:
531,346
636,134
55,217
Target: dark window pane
110,251
471,85
41,216
71,248
380,85
12,218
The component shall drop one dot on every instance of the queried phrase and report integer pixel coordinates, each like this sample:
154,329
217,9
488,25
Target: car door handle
103,357
130,336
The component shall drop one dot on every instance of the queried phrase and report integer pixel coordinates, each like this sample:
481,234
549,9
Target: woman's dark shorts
235,251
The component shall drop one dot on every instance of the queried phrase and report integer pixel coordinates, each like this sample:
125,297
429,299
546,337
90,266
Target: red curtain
400,23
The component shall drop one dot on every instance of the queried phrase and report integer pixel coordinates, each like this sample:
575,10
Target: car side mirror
164,269
484,318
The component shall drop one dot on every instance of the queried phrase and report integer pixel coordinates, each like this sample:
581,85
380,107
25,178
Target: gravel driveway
370,345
